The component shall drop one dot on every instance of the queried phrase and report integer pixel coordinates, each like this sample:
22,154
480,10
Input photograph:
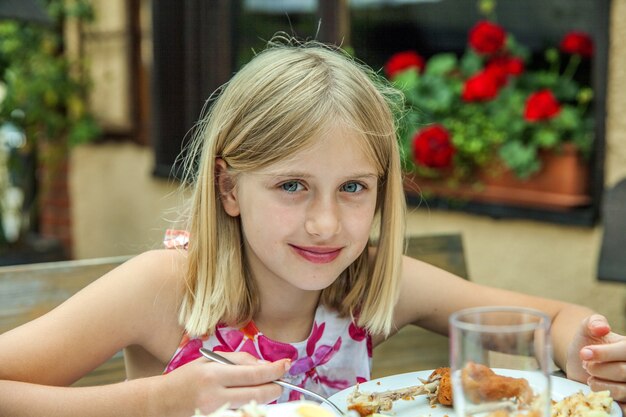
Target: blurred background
98,97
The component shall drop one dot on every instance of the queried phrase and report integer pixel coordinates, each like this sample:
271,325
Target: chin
315,286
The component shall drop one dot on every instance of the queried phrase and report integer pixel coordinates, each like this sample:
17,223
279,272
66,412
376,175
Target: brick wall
55,218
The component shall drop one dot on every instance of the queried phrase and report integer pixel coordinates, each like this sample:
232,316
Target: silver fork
210,355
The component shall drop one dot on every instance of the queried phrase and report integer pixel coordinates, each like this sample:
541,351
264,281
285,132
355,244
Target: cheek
279,215
269,220
359,221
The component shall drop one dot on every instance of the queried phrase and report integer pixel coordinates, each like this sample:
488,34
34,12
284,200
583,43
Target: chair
612,260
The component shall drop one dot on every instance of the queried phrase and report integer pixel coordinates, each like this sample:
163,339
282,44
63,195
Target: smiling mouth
316,254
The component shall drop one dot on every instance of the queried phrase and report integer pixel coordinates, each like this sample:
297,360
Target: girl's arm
580,338
135,304
198,385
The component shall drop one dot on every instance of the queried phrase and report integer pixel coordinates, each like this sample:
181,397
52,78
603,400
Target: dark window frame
191,63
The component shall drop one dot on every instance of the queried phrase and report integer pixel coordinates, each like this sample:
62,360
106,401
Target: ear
225,183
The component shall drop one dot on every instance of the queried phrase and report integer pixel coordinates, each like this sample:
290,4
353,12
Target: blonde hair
276,105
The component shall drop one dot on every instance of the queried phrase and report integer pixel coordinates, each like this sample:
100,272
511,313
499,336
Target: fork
210,355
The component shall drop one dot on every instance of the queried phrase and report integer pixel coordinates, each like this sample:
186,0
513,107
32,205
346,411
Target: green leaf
40,78
432,94
566,90
516,49
406,80
441,64
471,63
546,138
568,119
83,131
520,158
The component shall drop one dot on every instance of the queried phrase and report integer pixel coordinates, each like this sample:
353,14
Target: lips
318,255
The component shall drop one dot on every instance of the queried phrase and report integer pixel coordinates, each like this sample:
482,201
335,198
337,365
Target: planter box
562,184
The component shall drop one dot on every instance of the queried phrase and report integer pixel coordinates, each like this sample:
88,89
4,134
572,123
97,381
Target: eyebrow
298,174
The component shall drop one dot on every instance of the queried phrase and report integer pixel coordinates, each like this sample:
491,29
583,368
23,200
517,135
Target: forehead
338,149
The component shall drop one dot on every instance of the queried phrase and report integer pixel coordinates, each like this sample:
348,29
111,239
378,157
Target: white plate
419,406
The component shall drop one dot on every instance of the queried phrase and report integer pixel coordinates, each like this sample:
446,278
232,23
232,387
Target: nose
323,218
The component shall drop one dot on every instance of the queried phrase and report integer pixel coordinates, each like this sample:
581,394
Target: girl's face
305,220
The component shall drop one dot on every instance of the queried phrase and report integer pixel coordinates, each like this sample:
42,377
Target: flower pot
561,184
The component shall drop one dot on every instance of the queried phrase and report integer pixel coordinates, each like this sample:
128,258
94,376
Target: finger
250,375
262,394
237,397
241,358
596,326
609,371
617,389
609,352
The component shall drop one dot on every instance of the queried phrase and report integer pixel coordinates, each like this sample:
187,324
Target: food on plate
592,404
437,387
443,391
515,394
252,409
481,383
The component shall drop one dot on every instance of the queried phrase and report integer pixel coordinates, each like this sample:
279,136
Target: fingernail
586,354
596,323
261,361
287,365
584,365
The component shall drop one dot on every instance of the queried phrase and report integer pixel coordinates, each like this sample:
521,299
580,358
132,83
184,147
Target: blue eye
352,187
291,186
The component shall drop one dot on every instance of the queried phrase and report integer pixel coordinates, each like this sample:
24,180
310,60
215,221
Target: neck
287,317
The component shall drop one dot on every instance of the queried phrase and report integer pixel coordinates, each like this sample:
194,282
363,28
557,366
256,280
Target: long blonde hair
275,106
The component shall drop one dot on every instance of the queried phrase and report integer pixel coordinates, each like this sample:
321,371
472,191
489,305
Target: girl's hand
597,357
206,386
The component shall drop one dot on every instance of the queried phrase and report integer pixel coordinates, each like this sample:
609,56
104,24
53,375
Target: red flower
510,65
497,70
577,43
487,37
501,67
541,105
432,147
402,61
481,87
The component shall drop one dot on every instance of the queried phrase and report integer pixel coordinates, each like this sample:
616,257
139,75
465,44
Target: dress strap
176,239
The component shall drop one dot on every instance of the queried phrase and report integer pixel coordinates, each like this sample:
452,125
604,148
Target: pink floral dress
336,355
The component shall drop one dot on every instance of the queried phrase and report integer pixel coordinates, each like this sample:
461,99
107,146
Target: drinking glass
500,360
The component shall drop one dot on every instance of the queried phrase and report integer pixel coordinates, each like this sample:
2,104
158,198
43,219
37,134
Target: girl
295,173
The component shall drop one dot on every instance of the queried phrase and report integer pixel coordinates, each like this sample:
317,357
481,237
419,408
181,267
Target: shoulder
158,263
154,275
149,286
149,268
148,290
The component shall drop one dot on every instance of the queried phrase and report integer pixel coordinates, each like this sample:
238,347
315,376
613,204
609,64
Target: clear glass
500,360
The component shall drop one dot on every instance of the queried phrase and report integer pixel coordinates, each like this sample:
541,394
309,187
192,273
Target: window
198,45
